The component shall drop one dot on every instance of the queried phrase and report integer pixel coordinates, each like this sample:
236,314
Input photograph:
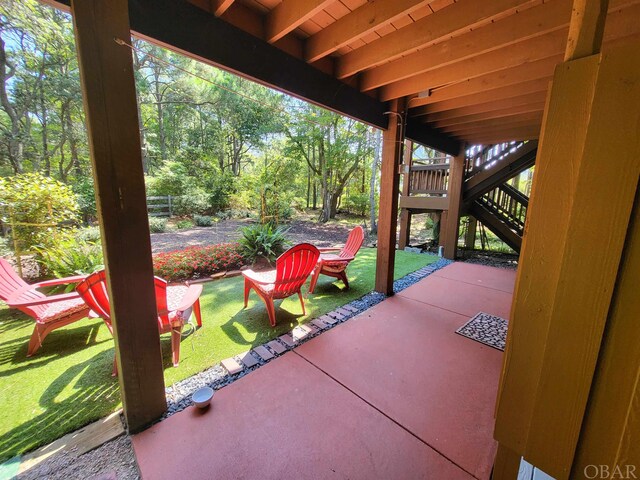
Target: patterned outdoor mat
487,329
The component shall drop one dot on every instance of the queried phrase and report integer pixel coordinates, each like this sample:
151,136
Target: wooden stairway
496,204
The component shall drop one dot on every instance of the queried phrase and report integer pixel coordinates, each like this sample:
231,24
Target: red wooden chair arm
14,300
330,249
249,274
191,296
59,281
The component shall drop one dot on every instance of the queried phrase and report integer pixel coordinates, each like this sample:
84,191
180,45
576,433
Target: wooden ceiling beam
487,96
530,50
355,25
289,15
486,107
533,22
621,23
505,112
211,40
491,138
519,120
532,76
218,7
460,16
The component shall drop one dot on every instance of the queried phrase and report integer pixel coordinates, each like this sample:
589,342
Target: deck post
392,145
106,73
405,213
451,225
566,278
470,235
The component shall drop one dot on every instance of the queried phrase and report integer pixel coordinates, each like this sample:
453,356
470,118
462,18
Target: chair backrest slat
9,280
354,242
293,268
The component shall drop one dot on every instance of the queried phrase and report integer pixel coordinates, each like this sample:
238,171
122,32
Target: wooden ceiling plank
218,7
500,137
532,76
540,87
493,104
519,120
505,112
537,48
458,17
357,24
289,15
531,23
621,23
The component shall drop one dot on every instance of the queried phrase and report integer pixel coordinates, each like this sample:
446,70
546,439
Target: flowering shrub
196,262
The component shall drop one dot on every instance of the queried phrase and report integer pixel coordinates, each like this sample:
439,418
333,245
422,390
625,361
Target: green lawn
68,383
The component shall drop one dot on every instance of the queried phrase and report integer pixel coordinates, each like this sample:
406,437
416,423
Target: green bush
203,220
89,234
194,201
263,241
184,224
357,204
157,225
5,246
85,195
45,204
71,256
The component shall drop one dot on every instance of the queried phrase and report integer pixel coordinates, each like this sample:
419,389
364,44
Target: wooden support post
405,213
610,432
470,235
106,73
586,28
392,143
568,270
451,228
506,465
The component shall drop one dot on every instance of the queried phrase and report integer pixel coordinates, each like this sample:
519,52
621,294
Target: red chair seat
62,309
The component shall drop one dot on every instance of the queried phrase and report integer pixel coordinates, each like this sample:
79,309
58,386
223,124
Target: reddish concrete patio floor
392,393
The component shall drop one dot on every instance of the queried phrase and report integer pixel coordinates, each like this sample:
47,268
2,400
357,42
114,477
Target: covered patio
447,75
391,393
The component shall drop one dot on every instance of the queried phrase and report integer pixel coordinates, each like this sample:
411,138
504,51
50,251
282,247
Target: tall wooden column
405,213
106,73
587,173
451,224
392,143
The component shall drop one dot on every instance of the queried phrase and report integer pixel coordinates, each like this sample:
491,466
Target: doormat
485,328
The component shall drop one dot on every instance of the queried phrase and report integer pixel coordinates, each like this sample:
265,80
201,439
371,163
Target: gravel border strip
216,377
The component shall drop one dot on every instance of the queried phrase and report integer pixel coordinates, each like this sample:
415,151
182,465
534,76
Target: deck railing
509,204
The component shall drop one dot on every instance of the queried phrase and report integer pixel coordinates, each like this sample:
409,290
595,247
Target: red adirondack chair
336,265
49,312
293,268
174,303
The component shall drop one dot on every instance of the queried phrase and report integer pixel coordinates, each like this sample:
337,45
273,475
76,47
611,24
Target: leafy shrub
197,261
5,246
171,179
45,203
85,195
194,201
234,213
184,224
71,256
157,225
357,204
263,241
89,234
203,220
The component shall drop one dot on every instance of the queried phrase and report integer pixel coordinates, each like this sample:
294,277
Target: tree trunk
372,182
15,141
